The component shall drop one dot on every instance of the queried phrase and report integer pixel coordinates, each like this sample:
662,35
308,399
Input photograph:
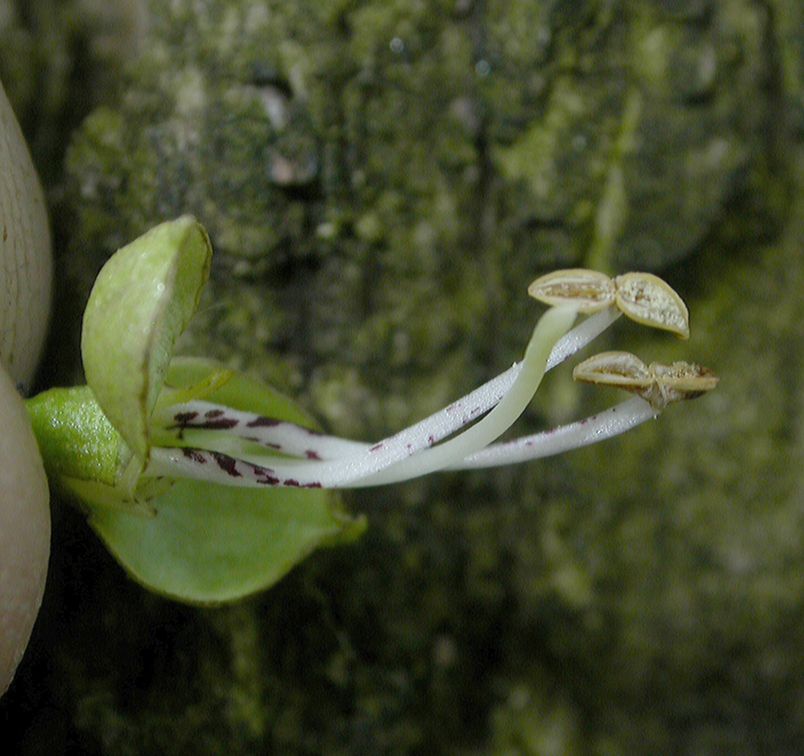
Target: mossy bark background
381,181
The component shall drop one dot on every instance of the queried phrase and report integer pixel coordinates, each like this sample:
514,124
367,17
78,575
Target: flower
208,485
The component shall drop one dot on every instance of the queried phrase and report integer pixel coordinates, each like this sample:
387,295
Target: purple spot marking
223,424
263,475
195,455
263,422
310,454
376,447
431,440
292,483
226,463
216,422
312,485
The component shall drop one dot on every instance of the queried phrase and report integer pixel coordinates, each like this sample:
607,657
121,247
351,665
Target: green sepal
75,437
211,381
142,300
209,544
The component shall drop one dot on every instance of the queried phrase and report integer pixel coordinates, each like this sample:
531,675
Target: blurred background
381,180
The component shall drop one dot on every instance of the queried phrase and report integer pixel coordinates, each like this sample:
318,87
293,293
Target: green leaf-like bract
211,544
142,300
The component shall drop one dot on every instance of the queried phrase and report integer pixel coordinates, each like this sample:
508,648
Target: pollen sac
657,384
681,380
588,290
650,301
618,369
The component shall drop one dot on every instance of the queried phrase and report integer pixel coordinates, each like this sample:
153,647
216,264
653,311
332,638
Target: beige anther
589,290
682,380
656,383
620,369
647,299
